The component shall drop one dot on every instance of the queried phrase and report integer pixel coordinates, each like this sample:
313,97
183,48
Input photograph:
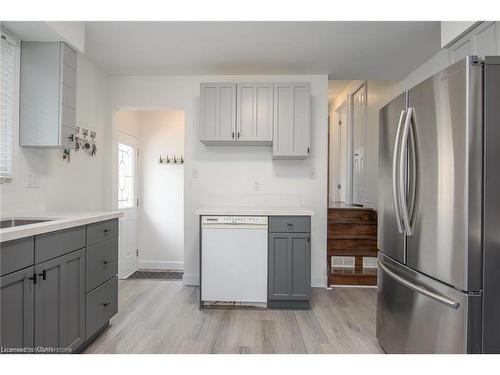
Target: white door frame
135,204
350,139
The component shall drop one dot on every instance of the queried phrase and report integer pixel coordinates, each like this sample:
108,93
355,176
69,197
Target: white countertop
59,220
255,210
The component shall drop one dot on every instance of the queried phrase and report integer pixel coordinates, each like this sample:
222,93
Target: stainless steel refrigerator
439,213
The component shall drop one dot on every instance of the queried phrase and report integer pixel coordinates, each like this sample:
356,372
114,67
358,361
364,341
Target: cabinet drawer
102,262
102,305
102,231
68,56
54,244
290,224
16,254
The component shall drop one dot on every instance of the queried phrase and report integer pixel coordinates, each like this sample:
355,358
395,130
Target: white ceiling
343,50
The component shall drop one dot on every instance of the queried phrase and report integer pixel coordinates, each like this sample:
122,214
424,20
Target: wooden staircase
352,232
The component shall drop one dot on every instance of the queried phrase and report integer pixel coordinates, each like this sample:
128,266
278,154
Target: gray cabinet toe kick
51,287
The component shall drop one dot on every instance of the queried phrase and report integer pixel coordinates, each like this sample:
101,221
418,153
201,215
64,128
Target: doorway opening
150,190
347,144
352,223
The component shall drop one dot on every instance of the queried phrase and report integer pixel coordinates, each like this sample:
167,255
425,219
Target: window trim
15,138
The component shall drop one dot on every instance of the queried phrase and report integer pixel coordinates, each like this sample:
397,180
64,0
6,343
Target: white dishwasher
234,260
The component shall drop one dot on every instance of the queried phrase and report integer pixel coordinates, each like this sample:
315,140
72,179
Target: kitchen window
9,100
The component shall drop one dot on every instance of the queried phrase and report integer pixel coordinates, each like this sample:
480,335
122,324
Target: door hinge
137,152
137,202
136,252
340,123
339,186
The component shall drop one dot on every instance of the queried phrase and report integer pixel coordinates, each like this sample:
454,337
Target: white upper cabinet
262,113
254,113
47,116
217,112
292,120
483,40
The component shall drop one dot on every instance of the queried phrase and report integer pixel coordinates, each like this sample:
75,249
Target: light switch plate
195,173
256,186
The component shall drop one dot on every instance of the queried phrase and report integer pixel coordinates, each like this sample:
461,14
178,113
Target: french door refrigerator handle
402,190
397,208
419,289
414,169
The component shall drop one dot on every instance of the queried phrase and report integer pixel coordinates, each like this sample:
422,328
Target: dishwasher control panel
253,220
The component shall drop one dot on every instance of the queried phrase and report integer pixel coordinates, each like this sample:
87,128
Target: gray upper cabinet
217,112
47,116
292,120
60,301
16,309
254,113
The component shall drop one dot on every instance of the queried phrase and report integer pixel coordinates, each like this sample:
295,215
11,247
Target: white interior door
359,141
127,203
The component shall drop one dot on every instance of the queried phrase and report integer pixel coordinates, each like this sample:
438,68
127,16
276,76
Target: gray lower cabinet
289,267
16,309
60,302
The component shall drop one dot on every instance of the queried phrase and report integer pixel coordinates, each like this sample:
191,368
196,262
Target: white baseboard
191,280
160,265
318,282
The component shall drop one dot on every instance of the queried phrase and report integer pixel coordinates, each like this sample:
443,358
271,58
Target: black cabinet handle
33,278
106,262
232,136
43,274
107,230
238,135
106,304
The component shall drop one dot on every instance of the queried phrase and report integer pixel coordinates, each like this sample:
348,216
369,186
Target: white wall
161,234
65,186
227,174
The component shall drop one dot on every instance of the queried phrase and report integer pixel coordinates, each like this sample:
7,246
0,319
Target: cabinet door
217,112
60,301
292,120
300,266
279,259
16,310
289,266
255,113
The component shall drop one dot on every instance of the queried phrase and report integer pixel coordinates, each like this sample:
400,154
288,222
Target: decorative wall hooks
81,140
171,159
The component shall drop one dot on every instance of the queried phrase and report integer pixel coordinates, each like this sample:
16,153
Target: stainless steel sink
9,223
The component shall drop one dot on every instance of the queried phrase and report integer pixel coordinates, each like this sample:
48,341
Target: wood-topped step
348,276
352,229
352,214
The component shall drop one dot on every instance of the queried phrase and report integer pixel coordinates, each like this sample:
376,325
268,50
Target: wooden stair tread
353,252
351,237
365,272
349,276
353,221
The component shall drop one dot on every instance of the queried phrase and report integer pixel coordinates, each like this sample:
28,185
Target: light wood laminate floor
163,317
